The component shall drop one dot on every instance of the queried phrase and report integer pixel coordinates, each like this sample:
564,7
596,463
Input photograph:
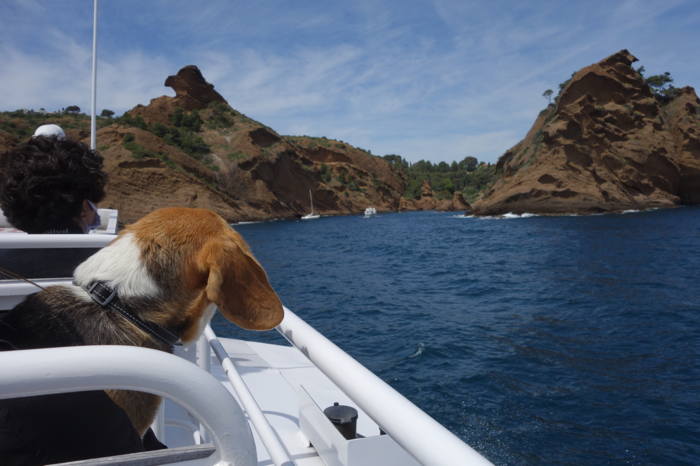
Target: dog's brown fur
196,259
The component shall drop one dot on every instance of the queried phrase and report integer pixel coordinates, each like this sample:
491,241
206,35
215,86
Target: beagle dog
158,282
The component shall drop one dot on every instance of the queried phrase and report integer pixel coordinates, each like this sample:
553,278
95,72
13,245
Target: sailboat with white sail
312,215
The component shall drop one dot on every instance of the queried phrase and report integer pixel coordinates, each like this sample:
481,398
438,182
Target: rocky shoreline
607,145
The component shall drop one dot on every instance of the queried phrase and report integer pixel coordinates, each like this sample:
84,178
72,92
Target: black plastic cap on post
344,418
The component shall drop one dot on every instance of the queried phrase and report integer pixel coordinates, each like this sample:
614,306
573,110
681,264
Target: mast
311,199
93,120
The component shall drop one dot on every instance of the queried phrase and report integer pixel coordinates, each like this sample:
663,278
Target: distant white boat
312,215
370,212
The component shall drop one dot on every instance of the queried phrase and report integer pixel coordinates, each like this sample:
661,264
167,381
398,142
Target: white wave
419,350
509,215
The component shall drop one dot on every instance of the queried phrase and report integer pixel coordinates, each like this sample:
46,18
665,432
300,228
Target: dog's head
189,254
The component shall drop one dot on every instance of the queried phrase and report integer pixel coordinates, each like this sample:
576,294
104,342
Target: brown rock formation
683,115
192,91
459,203
607,145
250,172
428,201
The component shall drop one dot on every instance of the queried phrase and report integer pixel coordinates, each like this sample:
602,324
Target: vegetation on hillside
183,130
469,176
23,123
661,85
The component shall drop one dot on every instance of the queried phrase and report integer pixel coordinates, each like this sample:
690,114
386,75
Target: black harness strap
107,298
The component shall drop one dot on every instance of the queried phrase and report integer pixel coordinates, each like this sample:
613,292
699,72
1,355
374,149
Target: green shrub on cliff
190,120
220,116
137,150
661,85
128,120
181,134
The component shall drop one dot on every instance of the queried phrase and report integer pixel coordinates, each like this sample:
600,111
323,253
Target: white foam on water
419,350
510,215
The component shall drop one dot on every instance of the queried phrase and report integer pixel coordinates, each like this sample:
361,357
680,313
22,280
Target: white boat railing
108,223
274,447
61,370
53,241
419,434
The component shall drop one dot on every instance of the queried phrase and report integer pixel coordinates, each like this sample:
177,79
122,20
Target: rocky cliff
196,150
607,144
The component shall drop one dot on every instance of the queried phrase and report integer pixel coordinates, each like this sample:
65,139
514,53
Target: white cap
50,130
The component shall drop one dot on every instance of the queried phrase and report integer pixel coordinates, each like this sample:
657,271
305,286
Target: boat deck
277,375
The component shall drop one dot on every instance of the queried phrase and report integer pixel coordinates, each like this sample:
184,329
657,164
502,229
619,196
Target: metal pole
93,121
278,454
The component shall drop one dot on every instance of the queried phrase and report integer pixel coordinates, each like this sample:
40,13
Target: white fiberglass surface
275,374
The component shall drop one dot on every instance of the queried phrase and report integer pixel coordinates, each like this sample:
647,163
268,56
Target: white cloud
62,77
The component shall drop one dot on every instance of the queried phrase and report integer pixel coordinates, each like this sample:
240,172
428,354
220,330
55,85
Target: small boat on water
312,215
370,212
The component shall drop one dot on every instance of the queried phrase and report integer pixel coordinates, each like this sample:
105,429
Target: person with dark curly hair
50,184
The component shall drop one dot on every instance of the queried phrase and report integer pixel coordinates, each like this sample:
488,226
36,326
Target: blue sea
537,340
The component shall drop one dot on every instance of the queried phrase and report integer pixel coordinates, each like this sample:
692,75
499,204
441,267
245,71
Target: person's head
51,184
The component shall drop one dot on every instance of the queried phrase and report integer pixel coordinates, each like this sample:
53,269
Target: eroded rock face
459,203
250,171
607,145
192,91
428,202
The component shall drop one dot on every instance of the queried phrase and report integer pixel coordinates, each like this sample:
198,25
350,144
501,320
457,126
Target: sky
436,80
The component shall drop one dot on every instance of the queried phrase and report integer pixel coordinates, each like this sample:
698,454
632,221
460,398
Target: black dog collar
107,298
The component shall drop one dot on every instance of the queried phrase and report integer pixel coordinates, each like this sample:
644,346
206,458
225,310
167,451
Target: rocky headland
204,153
195,150
607,144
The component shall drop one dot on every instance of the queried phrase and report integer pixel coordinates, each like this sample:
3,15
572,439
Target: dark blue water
541,340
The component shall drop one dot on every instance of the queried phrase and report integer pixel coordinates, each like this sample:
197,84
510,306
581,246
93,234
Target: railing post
203,358
274,447
158,425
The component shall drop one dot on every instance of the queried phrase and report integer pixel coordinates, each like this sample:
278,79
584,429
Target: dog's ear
238,285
